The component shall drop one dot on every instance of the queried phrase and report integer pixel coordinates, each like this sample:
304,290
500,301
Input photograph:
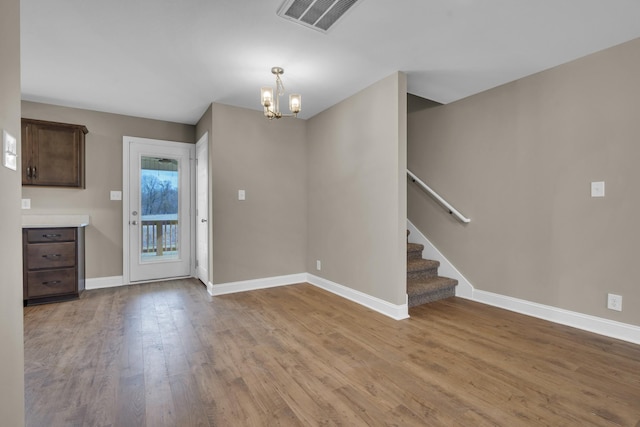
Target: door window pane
159,203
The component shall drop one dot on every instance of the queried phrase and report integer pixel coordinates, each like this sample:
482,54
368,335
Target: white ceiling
169,59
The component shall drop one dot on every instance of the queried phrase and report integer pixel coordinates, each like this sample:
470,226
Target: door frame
126,267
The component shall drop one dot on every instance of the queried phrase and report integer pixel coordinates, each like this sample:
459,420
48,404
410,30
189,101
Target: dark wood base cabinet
53,260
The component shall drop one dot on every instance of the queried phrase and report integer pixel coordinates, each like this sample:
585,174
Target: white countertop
45,221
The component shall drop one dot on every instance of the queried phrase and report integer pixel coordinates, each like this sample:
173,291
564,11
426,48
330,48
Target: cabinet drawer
51,255
43,235
51,282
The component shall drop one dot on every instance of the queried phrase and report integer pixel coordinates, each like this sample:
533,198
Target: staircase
423,283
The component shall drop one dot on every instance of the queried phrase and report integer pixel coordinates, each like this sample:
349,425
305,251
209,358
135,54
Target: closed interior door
202,209
159,200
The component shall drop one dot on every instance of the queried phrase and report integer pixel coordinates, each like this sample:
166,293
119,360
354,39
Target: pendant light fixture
270,100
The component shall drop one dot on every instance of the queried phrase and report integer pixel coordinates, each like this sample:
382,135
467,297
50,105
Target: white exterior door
157,209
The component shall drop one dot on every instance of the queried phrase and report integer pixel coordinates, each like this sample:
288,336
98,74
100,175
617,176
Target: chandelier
271,101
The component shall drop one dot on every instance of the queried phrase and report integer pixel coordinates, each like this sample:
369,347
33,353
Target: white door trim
126,268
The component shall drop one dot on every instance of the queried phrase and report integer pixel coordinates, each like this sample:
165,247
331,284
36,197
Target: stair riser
414,255
432,296
422,274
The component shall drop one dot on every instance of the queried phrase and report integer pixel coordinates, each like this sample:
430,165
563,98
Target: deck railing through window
159,235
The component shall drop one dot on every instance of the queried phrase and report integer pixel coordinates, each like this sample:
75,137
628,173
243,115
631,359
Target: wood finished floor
168,354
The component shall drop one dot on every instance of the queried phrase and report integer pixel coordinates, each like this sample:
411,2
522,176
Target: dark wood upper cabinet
53,154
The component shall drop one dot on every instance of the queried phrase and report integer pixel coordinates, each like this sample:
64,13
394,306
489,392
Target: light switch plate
241,195
9,151
115,195
597,189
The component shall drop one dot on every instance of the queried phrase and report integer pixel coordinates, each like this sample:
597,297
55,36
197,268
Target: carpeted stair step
421,268
422,291
423,283
414,251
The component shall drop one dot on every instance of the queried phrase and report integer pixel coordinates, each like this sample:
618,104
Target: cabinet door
52,153
56,153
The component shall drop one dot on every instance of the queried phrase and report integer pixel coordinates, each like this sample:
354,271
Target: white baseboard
103,282
397,312
598,325
250,285
394,311
210,288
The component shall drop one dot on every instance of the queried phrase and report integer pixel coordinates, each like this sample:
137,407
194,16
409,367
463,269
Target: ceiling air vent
317,14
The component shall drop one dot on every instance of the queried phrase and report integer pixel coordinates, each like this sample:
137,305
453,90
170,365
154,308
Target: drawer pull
52,282
51,256
51,236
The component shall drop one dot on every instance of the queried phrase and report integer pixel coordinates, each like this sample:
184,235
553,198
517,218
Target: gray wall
357,191
265,235
11,329
518,160
103,174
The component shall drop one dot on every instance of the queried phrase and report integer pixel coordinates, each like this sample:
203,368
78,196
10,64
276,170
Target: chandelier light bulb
266,96
295,103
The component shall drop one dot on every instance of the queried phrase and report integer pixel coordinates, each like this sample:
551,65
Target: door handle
134,222
203,220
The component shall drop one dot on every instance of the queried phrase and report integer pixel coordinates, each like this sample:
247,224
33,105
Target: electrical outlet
614,302
318,265
26,204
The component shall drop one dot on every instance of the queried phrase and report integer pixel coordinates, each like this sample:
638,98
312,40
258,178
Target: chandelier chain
280,85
